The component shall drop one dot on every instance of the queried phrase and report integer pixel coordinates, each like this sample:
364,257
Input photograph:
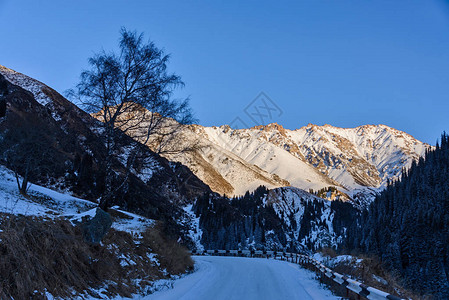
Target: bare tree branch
132,91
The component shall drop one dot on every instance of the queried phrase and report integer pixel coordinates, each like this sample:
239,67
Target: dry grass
329,252
174,257
40,255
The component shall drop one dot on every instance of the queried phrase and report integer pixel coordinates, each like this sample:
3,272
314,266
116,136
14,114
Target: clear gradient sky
344,63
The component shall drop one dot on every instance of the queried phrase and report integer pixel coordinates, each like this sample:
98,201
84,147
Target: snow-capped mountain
357,161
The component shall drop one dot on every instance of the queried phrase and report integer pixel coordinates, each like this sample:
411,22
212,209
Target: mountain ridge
358,161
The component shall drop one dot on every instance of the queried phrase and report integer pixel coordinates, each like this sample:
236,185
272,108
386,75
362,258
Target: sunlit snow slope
355,160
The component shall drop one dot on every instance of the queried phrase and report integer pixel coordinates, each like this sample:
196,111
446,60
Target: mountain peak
365,126
270,127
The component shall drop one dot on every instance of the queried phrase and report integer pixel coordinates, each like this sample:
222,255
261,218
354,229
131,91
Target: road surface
232,278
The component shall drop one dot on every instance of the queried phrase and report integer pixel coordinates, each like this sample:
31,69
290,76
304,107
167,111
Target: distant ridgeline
407,225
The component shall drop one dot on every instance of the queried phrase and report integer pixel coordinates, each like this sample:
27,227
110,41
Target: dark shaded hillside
75,153
284,218
239,223
407,225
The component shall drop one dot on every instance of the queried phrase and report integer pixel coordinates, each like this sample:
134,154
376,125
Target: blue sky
344,63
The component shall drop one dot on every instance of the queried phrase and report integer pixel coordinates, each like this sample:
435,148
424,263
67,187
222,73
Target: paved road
235,278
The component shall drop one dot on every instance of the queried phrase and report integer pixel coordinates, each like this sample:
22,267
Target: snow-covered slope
308,217
257,150
48,203
358,161
224,170
363,156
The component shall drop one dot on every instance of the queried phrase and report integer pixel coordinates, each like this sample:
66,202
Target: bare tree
132,91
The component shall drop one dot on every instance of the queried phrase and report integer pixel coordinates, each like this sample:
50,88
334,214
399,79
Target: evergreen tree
407,225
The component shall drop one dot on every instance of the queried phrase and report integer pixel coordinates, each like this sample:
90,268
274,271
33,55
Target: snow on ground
331,262
244,278
195,232
42,201
49,203
132,223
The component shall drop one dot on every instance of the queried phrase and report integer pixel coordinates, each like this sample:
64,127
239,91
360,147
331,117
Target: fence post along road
350,284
